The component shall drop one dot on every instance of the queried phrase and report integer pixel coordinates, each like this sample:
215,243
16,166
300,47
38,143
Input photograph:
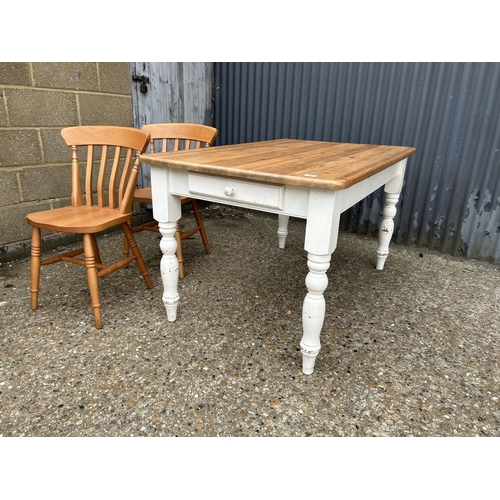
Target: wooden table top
326,165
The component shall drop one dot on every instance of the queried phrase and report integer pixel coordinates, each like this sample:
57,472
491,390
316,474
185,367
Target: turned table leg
313,312
322,230
169,267
282,230
386,229
392,190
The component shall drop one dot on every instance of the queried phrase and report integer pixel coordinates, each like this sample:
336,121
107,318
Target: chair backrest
110,166
176,136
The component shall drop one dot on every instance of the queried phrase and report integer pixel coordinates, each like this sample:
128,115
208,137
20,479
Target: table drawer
248,192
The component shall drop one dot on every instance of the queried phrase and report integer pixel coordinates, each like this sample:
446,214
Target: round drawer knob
229,191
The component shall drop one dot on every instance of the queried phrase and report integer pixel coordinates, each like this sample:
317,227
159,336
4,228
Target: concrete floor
413,350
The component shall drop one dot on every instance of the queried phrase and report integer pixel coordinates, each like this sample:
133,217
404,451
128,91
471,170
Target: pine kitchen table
313,180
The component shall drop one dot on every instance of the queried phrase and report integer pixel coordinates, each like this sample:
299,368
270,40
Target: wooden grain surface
327,165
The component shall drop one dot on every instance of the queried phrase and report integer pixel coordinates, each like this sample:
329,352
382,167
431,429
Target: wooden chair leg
129,236
178,252
126,248
97,255
35,266
88,250
199,223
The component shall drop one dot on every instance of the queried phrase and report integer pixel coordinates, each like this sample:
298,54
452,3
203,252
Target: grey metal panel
448,111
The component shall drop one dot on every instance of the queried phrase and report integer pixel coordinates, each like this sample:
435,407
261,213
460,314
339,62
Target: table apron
266,197
361,190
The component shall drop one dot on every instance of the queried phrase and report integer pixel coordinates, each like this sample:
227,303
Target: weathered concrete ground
413,350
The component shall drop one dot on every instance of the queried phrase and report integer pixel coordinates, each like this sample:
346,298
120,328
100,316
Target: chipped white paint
433,195
169,268
313,311
386,228
480,231
416,220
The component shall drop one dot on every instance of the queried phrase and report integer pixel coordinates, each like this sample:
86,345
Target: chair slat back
175,136
110,150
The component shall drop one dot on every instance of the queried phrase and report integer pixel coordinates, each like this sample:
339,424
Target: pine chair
110,151
174,137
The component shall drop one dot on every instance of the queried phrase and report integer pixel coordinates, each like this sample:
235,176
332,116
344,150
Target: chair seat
80,220
145,195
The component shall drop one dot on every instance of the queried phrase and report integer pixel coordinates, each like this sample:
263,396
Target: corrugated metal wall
448,111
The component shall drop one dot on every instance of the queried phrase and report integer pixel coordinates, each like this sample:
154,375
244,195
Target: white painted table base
320,207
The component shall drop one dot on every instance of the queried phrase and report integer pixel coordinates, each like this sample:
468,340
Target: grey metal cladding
449,111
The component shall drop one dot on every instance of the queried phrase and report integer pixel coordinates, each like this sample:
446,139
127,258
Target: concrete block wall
37,100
